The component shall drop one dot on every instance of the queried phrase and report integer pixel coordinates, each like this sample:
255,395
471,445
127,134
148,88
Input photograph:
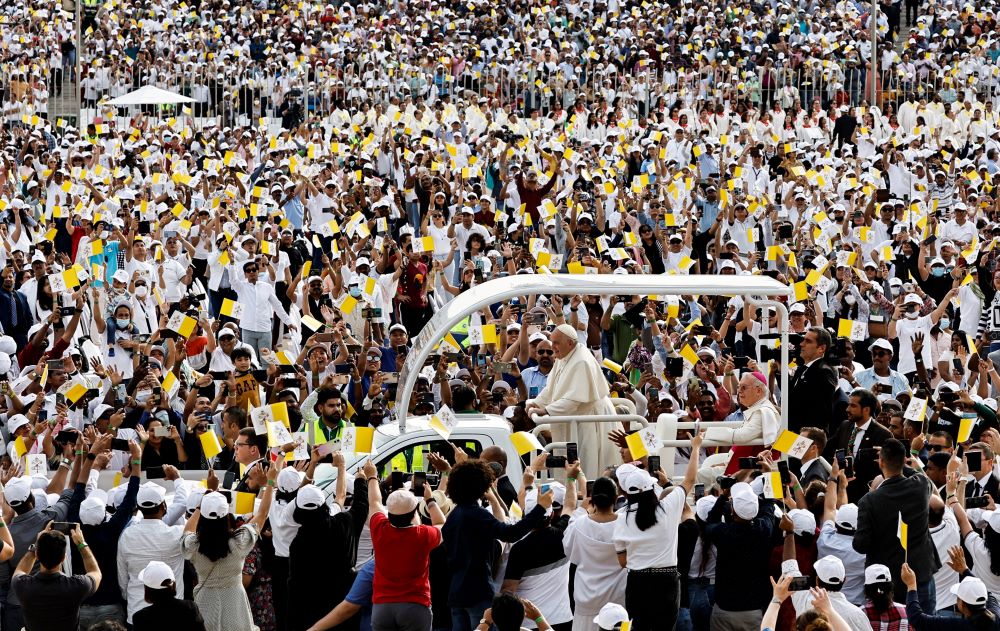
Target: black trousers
653,598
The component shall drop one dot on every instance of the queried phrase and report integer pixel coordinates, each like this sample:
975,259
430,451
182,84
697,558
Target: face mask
355,292
894,291
938,272
850,299
141,291
912,315
944,323
122,324
103,235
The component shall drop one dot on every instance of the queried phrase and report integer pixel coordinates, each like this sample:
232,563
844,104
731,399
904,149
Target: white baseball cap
830,570
877,573
93,511
804,521
151,495
401,502
634,480
611,614
214,505
310,496
745,503
288,480
847,517
155,574
971,591
17,490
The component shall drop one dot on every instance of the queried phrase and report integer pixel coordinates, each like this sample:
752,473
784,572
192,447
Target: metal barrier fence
251,93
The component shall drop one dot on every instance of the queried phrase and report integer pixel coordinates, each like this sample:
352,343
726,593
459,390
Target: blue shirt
709,211
533,378
361,593
295,212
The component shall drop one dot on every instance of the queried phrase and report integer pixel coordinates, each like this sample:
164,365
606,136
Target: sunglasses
545,352
251,269
880,353
935,447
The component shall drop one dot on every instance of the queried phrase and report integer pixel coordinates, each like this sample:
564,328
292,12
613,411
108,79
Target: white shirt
599,578
283,527
141,542
905,331
945,535
857,437
260,304
657,545
976,546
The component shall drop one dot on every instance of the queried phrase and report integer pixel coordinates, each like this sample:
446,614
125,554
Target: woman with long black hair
976,605
646,543
217,547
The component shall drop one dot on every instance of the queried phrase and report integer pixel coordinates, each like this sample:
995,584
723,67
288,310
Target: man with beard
330,424
15,317
536,377
858,436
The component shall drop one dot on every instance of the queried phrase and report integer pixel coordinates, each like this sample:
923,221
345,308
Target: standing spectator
103,531
470,534
646,542
858,437
24,529
898,498
976,606
149,539
884,614
743,546
217,548
165,610
50,599
589,545
812,386
401,598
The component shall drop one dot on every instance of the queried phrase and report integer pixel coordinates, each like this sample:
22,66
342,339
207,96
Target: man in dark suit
15,316
879,513
812,386
814,466
985,482
504,486
858,436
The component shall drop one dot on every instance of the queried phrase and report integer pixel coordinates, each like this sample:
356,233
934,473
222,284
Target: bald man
576,387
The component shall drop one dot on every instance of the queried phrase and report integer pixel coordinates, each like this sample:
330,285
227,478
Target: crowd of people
228,290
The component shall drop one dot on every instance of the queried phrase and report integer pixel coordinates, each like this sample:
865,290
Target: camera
371,312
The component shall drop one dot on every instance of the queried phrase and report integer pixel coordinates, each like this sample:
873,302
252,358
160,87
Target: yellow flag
525,442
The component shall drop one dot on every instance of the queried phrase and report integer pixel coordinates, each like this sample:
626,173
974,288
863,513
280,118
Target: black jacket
810,399
866,462
878,520
169,615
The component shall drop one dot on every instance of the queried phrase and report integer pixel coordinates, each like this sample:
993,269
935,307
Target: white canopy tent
149,95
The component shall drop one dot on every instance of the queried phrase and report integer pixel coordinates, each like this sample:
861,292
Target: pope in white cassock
577,387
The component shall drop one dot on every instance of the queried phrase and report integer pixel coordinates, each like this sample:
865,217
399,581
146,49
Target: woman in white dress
589,544
218,548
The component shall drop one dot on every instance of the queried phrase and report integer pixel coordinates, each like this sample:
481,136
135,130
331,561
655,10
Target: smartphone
229,480
155,473
957,363
502,368
590,488
66,436
799,584
653,464
749,462
340,379
849,466
119,444
841,455
161,431
555,462
390,378
786,477
66,312
44,415
396,480
572,455
64,527
699,491
977,502
417,483
675,366
974,459
741,363
219,375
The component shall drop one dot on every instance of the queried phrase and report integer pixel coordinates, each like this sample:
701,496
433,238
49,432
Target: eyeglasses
241,444
545,352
